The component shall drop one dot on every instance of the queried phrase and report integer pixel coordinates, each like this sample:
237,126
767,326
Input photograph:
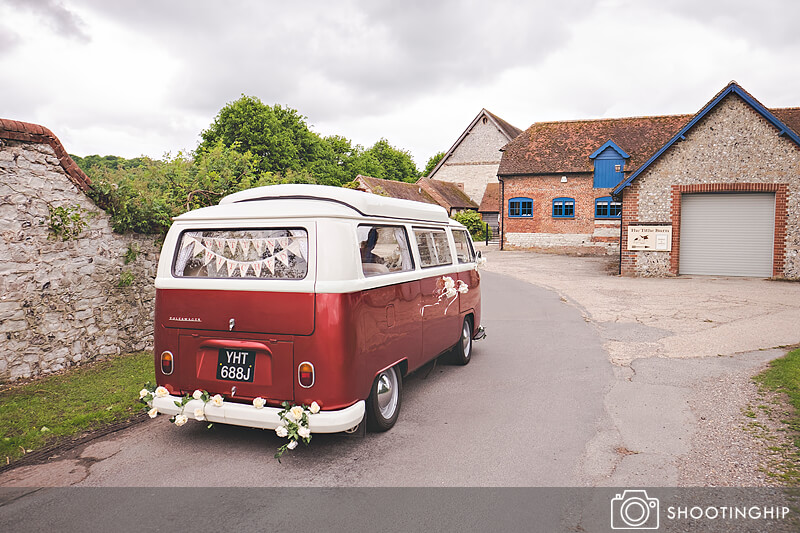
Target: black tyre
383,404
462,352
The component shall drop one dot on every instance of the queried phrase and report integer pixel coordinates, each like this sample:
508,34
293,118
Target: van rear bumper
240,414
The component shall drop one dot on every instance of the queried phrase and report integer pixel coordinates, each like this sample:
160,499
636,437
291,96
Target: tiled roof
26,132
447,194
554,147
789,116
396,189
490,203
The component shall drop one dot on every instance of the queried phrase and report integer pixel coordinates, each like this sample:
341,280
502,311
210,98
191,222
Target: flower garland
294,418
294,425
447,289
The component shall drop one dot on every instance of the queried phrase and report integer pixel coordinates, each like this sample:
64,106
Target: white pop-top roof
360,202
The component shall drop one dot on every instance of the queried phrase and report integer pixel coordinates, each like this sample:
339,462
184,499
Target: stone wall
475,160
733,148
64,302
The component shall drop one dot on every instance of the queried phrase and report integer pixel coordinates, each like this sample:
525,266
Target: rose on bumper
147,394
294,418
294,425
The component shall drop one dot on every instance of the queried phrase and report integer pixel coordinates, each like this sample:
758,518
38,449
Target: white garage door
727,234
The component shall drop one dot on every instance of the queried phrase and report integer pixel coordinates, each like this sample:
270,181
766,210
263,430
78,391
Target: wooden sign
650,238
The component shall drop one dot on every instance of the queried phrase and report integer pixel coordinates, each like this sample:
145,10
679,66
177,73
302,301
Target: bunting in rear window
242,253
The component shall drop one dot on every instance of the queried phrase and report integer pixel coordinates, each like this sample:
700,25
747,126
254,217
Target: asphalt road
520,414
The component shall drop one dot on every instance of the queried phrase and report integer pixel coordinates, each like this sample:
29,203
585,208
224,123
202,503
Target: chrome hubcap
387,392
466,341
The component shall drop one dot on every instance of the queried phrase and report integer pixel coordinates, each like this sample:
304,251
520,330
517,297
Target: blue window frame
520,207
606,207
563,207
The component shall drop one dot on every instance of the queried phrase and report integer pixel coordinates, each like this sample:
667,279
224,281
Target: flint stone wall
60,301
475,161
732,144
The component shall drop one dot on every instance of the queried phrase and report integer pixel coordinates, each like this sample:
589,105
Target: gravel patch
730,447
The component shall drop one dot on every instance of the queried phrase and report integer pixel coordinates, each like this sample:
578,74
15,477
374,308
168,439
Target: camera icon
633,509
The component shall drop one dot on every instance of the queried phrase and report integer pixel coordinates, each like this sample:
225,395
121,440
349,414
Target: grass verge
783,377
55,408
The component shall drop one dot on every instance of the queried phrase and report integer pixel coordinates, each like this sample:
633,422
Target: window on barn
520,207
564,208
606,207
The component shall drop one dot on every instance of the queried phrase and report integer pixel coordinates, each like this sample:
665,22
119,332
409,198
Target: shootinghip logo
634,509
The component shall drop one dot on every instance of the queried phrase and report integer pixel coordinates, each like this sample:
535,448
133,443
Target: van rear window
247,253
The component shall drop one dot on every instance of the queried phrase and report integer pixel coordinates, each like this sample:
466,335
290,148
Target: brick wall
543,230
732,149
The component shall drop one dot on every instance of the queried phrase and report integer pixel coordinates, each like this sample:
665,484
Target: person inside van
367,247
371,263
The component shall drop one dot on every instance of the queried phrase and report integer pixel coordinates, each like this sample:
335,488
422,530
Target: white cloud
129,78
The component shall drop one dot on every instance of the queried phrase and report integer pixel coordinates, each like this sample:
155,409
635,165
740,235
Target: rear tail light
167,363
305,374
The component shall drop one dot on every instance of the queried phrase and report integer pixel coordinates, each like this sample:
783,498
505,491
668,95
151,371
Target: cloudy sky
146,76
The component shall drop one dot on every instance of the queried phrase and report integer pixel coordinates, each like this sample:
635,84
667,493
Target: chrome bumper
240,414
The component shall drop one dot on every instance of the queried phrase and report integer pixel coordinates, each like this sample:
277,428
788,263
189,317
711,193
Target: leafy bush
473,222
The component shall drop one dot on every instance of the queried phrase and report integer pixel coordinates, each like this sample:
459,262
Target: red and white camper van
307,293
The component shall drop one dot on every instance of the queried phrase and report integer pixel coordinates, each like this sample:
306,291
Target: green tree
432,162
382,160
277,137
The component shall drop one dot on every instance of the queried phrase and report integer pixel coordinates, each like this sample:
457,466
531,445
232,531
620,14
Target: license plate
236,365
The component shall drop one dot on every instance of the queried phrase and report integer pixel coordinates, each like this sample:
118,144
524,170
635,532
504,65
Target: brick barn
714,193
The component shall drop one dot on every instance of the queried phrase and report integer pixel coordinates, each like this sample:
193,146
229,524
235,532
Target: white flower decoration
448,283
152,413
314,408
292,445
281,431
259,402
217,400
199,414
197,394
450,293
297,412
161,392
180,420
304,432
143,393
463,288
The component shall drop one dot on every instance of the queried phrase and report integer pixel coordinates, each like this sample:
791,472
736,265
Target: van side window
247,253
434,250
464,251
383,249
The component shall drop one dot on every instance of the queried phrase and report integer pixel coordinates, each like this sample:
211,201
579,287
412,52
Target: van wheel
463,348
383,404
